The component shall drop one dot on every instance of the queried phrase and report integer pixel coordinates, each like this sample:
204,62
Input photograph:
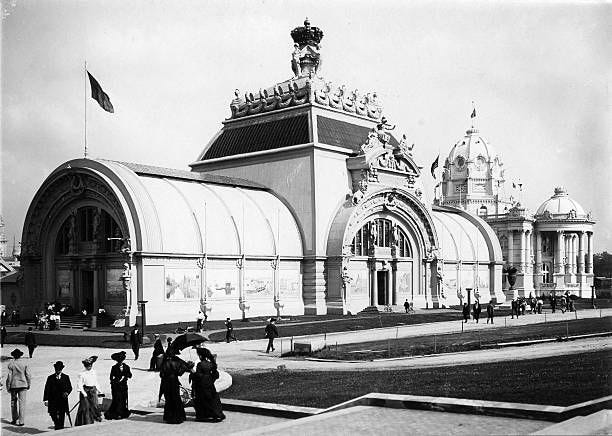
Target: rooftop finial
306,59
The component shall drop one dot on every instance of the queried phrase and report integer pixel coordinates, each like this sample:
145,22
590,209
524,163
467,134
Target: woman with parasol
206,400
172,367
88,388
119,375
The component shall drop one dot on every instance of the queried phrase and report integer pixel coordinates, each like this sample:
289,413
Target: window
483,211
381,232
546,278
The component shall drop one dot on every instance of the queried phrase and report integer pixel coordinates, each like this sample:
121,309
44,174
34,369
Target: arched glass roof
183,213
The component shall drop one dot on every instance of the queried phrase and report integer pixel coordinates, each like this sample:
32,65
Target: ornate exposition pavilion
303,202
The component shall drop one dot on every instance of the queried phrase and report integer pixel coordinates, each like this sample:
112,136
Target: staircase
75,322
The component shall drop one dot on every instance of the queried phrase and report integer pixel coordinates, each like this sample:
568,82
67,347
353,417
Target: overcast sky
540,75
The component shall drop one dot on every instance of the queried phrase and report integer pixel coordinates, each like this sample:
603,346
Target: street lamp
593,296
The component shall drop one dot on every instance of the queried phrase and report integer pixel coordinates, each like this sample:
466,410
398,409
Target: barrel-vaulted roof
193,213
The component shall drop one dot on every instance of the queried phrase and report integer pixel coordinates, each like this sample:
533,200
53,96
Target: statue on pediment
404,148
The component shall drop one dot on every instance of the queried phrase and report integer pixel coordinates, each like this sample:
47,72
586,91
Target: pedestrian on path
477,309
466,312
55,397
514,307
539,305
406,305
172,368
229,333
206,400
199,321
119,375
89,388
158,350
30,341
271,333
2,336
18,381
553,303
136,340
490,312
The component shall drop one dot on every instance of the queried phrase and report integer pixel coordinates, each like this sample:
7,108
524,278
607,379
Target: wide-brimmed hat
119,356
16,353
90,360
58,365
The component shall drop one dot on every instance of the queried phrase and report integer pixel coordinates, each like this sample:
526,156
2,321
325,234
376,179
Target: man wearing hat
271,333
18,381
57,389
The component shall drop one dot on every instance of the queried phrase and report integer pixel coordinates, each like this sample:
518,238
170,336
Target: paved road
249,356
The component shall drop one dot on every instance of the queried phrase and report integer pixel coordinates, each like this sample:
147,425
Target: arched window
381,232
546,278
88,225
483,211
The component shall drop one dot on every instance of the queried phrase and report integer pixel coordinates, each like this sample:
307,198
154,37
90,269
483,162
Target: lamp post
141,306
593,297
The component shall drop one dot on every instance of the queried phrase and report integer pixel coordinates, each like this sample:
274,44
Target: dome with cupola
472,153
561,206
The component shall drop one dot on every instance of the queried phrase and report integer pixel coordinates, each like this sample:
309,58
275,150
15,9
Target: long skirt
89,411
207,403
119,406
174,411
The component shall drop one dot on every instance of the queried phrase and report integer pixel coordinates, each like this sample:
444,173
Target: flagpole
85,107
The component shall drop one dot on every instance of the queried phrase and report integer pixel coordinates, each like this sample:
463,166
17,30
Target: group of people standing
476,311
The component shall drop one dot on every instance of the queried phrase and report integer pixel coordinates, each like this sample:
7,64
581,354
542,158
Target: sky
539,73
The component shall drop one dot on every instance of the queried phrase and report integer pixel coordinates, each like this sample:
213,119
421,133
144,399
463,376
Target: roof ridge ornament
306,56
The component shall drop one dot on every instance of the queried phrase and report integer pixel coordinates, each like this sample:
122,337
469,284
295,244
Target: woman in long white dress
88,388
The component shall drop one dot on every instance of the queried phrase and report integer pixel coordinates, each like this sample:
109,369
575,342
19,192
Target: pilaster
314,281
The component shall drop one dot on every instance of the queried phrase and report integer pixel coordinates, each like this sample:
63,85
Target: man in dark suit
271,333
476,308
30,341
136,340
57,389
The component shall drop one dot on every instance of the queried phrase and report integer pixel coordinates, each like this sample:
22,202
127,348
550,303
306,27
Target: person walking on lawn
490,309
229,333
477,309
18,381
466,312
55,397
271,333
30,341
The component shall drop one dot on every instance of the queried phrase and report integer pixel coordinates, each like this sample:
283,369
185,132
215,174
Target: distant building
304,202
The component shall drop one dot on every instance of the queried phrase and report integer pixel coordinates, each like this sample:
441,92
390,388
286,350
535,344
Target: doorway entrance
87,291
382,285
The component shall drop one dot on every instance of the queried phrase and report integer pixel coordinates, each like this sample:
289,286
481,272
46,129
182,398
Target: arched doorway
88,260
388,248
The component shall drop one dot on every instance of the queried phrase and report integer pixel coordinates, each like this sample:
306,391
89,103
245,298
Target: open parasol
185,340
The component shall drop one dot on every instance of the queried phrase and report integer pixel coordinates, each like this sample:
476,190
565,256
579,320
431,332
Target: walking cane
68,413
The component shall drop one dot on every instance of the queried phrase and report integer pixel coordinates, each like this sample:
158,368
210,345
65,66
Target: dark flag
99,95
434,165
473,113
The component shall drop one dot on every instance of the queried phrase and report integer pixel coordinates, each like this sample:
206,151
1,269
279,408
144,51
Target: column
511,247
374,284
394,283
581,253
573,254
538,253
589,260
560,252
523,253
96,301
566,249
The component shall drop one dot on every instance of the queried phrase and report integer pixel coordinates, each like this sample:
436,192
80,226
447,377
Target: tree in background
602,264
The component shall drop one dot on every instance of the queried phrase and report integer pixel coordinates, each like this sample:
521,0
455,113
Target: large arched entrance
87,260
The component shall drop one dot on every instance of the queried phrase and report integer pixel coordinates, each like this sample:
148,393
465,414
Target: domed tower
564,246
473,177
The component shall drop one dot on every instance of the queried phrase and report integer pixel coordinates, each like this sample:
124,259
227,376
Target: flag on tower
99,95
473,113
434,165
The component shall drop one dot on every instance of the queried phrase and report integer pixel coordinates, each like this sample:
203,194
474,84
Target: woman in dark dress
119,375
172,367
206,400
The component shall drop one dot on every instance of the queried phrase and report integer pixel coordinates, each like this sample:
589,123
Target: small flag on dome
99,95
434,165
473,113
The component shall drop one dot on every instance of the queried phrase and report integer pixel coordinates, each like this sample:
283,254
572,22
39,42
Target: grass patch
469,340
555,380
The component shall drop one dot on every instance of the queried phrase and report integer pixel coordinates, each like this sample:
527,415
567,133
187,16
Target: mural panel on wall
114,285
359,285
290,283
221,283
63,282
259,282
483,284
182,284
404,283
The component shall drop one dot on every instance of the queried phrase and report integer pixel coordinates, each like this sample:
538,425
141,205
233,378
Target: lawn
555,380
469,340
